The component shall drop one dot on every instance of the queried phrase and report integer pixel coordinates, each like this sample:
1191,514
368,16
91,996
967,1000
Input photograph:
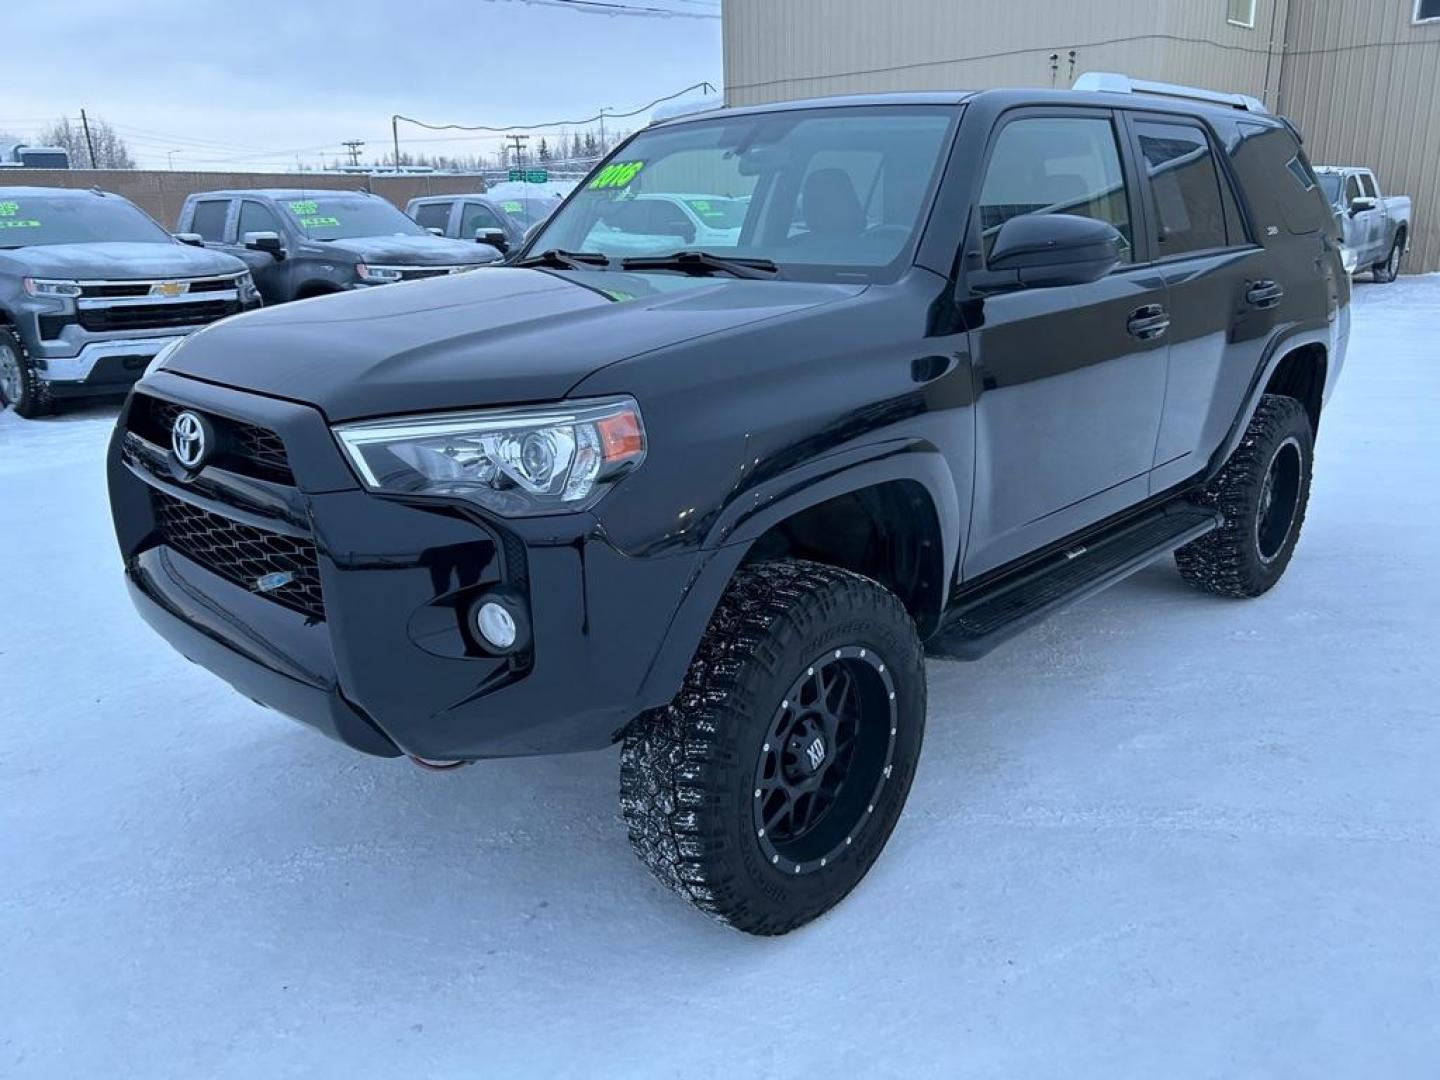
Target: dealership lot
1164,834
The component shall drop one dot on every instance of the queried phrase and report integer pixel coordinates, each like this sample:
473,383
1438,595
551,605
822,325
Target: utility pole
602,130
519,141
89,142
395,134
353,146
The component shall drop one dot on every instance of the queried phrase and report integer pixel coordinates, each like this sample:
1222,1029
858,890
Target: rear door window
208,220
1056,165
434,215
1367,185
1185,187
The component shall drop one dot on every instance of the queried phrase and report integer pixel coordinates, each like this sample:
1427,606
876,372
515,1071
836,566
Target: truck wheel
1262,491
765,791
20,387
1387,271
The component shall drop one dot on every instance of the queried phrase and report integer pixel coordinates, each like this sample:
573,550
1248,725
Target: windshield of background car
1330,185
27,220
322,218
827,194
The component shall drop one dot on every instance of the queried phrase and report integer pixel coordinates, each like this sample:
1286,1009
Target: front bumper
389,665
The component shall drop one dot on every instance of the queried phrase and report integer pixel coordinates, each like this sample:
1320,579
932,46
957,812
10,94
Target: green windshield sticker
18,223
704,209
319,222
510,206
617,175
9,209
301,209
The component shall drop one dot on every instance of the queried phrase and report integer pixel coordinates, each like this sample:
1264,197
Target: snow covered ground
1164,835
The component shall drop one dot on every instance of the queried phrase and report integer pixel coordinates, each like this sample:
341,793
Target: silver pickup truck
1376,227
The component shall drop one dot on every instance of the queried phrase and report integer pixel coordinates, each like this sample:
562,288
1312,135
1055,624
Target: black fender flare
1280,346
747,517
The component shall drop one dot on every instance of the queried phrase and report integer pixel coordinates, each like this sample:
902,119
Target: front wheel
20,388
767,789
1387,271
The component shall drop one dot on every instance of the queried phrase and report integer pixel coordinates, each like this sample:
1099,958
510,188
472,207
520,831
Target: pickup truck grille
110,290
280,568
155,316
244,448
414,273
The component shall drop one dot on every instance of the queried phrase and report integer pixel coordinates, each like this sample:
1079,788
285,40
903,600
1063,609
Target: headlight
540,460
1349,259
158,360
49,287
245,284
377,274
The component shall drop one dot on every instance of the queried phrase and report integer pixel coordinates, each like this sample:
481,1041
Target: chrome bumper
78,368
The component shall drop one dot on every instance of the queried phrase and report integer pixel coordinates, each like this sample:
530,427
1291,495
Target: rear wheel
1262,492
1387,271
766,790
20,387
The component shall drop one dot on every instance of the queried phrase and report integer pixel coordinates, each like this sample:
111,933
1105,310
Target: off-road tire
687,771
1388,270
1229,561
33,398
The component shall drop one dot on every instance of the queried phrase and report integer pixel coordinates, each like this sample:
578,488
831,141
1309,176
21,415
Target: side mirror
1360,204
194,239
268,242
1048,250
494,237
433,231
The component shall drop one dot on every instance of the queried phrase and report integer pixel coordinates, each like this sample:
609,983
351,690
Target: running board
1015,603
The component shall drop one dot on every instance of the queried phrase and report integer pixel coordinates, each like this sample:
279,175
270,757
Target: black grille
252,558
244,448
417,272
155,316
51,326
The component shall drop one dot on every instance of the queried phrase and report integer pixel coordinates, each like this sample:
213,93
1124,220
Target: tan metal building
1361,78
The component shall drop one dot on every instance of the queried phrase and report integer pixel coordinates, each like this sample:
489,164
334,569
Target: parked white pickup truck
1376,227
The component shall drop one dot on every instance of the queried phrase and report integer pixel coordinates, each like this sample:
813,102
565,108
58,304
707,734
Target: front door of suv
1069,387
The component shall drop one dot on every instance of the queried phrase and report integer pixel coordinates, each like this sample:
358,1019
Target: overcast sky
252,83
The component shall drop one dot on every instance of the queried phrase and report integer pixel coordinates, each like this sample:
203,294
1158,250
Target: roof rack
1110,82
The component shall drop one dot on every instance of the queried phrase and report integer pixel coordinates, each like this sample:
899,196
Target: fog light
496,625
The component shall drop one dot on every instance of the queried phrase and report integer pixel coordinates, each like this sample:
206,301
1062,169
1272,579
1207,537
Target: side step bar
996,614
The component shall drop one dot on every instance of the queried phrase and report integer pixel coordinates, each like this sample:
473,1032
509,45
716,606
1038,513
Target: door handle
1264,294
1149,322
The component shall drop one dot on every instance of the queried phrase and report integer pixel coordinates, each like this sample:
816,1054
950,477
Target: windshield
347,216
27,220
1330,185
825,194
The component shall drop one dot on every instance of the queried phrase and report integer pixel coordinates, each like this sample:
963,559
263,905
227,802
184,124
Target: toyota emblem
189,438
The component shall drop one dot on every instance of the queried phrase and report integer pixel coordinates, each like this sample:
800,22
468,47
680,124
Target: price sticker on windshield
10,217
617,175
301,209
319,222
510,206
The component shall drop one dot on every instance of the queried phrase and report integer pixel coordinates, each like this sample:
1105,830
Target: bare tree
110,149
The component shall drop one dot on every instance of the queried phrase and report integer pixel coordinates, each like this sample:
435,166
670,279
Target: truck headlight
516,462
1348,259
377,275
245,286
51,287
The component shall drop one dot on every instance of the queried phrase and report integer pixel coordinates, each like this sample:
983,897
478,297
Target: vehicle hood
498,336
118,261
425,250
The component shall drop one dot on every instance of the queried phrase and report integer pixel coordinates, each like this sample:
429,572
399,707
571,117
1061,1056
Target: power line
606,113
614,7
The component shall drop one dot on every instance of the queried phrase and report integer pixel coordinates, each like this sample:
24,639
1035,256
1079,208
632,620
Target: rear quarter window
1278,181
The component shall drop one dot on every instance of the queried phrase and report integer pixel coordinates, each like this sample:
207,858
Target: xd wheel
767,789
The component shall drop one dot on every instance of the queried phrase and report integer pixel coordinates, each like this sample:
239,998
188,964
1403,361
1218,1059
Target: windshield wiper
703,262
565,260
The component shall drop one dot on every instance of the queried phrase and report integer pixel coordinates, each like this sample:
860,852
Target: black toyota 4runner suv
968,358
